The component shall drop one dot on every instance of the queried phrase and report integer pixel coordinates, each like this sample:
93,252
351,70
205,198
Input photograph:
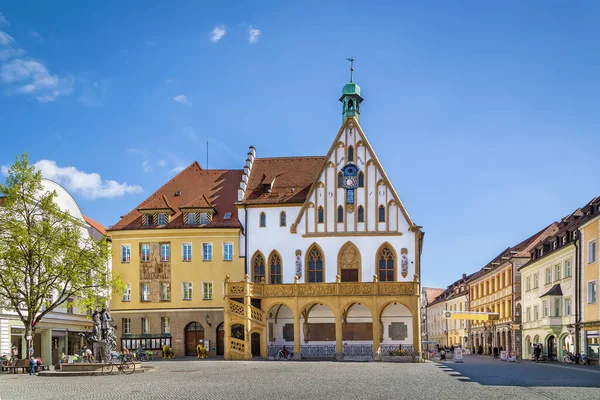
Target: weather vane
351,59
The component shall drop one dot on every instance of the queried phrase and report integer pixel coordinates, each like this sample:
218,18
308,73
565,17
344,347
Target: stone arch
382,255
396,323
317,318
330,164
280,326
312,255
258,267
357,322
349,263
275,267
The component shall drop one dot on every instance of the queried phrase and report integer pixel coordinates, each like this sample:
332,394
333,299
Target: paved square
479,377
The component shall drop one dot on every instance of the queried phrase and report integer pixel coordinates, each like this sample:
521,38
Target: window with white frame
548,276
567,306
145,292
126,322
557,272
227,251
557,307
528,283
145,253
206,251
592,251
191,218
207,290
165,252
187,290
203,218
127,293
528,314
536,280
165,291
545,308
145,326
186,251
165,325
125,253
591,292
568,269
162,219
536,313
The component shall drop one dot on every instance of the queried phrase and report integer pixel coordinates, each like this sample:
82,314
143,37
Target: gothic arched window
381,213
350,153
275,267
282,221
340,180
258,268
386,264
340,214
314,265
361,214
263,220
361,179
320,215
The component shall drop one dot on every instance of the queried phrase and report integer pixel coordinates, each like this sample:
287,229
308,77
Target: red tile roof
194,186
96,225
432,293
290,179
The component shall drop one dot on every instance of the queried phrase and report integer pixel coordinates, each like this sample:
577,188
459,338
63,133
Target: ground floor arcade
357,320
554,342
486,338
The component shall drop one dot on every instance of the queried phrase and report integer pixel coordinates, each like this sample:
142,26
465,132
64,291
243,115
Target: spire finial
351,59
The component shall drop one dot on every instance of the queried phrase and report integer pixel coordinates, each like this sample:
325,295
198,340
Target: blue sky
485,116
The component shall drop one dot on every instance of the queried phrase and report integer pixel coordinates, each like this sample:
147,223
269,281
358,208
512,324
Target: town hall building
332,256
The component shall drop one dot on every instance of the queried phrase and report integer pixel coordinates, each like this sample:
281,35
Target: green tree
46,260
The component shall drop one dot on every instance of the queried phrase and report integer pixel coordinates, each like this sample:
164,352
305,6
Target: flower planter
401,359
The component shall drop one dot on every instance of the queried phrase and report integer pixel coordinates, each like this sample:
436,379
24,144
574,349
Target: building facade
496,288
549,292
59,330
332,255
442,329
173,252
428,295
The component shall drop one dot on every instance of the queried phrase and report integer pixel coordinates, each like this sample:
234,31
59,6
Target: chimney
464,276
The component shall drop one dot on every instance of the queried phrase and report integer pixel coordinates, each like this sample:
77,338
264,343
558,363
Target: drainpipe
245,239
577,294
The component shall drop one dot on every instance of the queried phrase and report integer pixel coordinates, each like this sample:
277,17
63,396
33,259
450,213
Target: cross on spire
351,59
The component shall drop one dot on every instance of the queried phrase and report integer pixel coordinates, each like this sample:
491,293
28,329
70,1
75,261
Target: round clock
350,182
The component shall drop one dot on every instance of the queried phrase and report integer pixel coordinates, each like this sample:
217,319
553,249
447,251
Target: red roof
195,186
432,293
290,179
96,225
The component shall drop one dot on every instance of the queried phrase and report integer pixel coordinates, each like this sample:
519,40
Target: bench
22,365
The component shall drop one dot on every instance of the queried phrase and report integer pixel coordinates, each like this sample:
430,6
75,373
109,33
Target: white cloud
33,78
217,33
253,34
162,163
5,38
36,35
89,185
181,98
178,169
9,53
3,20
146,166
4,170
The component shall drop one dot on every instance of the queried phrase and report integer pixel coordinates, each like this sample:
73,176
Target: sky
483,114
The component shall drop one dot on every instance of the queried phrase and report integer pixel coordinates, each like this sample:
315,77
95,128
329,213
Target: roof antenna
351,59
206,153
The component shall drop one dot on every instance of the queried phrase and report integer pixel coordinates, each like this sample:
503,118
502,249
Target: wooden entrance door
221,339
255,341
194,333
349,275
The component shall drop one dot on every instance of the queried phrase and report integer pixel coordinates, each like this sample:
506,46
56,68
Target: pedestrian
495,352
537,352
32,363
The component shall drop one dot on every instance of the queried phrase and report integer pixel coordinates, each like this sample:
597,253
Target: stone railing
257,315
236,308
358,350
387,348
262,290
237,346
318,351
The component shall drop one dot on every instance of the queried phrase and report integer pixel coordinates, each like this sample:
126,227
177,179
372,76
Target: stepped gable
192,187
290,178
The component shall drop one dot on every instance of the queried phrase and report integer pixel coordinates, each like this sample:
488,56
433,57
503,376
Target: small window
591,292
536,313
568,269
591,251
557,307
126,323
127,293
267,188
145,326
361,214
186,251
165,325
361,179
567,306
548,276
340,180
263,220
381,213
545,308
187,290
227,251
320,215
282,221
145,256
557,272
191,218
340,214
227,216
206,251
350,154
207,290
528,285
145,292
162,219
528,314
203,218
165,252
536,280
165,291
125,253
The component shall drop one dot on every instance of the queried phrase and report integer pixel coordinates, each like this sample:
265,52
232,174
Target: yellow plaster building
173,251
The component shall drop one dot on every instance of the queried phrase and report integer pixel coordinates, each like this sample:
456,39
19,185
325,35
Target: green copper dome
351,88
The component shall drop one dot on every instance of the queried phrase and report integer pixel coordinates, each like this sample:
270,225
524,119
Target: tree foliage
47,260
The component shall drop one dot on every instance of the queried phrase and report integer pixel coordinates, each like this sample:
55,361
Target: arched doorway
255,344
349,263
221,339
551,346
194,333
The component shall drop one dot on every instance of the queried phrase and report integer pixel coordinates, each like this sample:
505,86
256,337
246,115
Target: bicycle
124,365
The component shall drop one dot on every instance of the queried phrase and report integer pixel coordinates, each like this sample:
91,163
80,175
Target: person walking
495,352
537,352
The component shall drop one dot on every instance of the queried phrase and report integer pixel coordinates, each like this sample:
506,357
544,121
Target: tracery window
386,264
258,268
361,179
340,214
275,268
320,215
282,221
361,214
315,265
381,213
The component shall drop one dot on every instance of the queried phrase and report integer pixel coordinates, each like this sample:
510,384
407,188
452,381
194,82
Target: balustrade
240,289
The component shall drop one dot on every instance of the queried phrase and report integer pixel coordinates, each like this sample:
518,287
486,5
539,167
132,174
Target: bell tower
351,96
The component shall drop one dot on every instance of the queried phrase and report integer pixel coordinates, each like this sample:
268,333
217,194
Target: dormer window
203,218
191,219
553,245
564,239
197,218
162,219
266,188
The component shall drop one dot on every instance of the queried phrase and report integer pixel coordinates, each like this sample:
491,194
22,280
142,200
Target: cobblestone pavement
479,377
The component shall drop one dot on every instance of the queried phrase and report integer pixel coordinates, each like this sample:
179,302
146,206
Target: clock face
350,182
